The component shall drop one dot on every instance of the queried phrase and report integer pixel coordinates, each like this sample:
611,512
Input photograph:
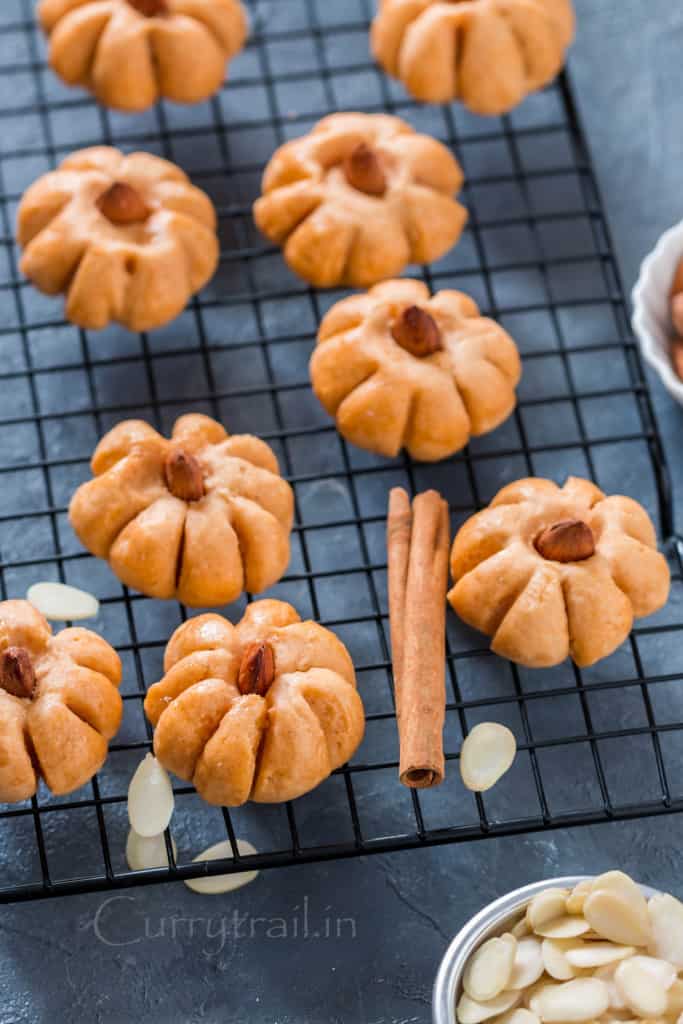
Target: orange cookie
262,711
360,197
488,53
552,572
201,517
129,53
59,703
397,368
125,238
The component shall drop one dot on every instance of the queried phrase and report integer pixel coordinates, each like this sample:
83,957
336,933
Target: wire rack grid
595,745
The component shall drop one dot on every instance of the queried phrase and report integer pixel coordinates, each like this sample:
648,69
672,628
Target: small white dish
651,317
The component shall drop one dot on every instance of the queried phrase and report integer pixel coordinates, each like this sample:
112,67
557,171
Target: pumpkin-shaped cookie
360,197
397,368
201,517
550,572
262,711
125,238
129,53
490,53
59,703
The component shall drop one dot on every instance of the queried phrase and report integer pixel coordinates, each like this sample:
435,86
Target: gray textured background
150,962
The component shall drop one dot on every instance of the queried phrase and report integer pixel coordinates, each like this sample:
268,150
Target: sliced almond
674,999
470,1011
642,991
582,999
618,917
570,926
666,917
577,897
606,974
547,906
521,928
617,881
215,884
150,798
533,994
555,961
488,970
62,603
528,964
596,954
518,1016
143,852
486,754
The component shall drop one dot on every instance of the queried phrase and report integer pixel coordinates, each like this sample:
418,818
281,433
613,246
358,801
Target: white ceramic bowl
651,318
492,920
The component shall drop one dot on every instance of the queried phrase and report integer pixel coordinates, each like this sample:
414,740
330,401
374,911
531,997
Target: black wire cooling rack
594,745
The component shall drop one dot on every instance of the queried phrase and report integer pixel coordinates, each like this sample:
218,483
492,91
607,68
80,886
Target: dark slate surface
164,954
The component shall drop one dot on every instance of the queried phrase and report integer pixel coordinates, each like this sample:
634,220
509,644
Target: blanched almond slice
532,996
582,999
521,928
606,974
617,881
528,964
618,917
147,851
519,1016
597,954
577,897
62,603
554,960
488,970
469,1011
674,999
150,798
547,906
569,927
666,917
215,884
662,971
640,989
486,754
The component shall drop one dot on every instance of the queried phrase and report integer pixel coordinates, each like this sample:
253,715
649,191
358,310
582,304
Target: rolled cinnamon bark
417,542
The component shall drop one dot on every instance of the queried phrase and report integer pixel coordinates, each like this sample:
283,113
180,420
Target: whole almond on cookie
570,540
257,669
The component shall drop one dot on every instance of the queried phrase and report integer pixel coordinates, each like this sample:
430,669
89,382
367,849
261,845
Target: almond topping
184,477
570,540
122,204
416,331
16,672
363,171
149,8
257,669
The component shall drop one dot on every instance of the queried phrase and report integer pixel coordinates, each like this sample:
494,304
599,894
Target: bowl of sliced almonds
566,950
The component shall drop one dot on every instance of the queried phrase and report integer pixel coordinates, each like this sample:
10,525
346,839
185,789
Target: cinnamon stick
418,541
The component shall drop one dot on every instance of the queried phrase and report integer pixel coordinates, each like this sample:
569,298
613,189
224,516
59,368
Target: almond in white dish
594,975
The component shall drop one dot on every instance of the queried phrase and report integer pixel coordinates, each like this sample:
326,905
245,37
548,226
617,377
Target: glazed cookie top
400,367
264,710
131,52
443,51
360,197
59,703
551,572
200,516
127,238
